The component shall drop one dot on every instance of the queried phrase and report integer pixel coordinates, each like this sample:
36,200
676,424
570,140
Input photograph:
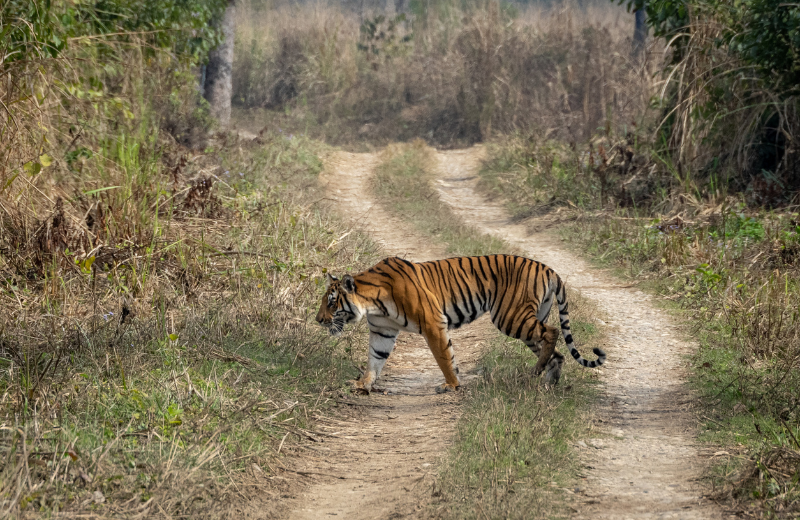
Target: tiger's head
340,304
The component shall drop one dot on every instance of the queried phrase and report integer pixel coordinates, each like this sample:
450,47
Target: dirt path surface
380,455
647,464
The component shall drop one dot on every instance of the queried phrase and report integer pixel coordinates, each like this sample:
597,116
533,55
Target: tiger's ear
329,280
348,284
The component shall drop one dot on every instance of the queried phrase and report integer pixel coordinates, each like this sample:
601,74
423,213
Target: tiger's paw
443,388
359,388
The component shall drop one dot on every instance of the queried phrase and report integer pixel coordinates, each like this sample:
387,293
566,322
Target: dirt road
647,464
378,460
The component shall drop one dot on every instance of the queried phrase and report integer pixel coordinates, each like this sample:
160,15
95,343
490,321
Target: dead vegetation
452,74
155,349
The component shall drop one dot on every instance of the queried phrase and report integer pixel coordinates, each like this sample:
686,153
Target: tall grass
450,73
154,344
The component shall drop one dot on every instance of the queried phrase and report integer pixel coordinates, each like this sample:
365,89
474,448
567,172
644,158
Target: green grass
511,456
404,180
738,278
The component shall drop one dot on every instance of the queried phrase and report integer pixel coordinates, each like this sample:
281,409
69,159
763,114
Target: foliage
729,101
764,33
39,29
767,34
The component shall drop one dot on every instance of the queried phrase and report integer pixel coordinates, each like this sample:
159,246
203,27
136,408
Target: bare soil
645,462
381,453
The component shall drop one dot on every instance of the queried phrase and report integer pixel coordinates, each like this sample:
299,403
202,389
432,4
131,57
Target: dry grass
464,75
155,344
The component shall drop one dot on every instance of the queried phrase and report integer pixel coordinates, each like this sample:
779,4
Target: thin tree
639,32
218,87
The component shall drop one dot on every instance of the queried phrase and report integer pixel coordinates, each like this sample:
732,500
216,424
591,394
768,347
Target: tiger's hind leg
553,367
442,349
540,338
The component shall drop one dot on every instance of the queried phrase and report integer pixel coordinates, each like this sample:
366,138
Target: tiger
431,298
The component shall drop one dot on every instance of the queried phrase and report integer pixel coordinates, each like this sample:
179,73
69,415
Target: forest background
148,258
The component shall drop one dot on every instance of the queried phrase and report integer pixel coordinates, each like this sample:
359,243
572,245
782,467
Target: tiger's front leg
381,344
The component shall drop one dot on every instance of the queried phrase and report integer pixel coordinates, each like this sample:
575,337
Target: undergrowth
167,375
156,279
736,273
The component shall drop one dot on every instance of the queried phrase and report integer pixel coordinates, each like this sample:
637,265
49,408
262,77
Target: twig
309,473
353,403
790,433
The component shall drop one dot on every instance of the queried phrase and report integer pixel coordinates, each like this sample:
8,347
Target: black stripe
460,291
379,354
382,335
410,264
380,304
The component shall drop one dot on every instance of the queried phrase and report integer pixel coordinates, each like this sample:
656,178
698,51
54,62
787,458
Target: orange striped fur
430,298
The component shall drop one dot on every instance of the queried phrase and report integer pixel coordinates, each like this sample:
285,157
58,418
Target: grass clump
404,182
512,455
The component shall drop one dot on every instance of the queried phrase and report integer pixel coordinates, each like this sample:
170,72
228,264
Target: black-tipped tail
563,314
601,357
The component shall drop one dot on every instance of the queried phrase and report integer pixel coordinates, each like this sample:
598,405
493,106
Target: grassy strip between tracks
512,455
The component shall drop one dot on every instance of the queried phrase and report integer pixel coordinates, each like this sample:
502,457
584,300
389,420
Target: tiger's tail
563,316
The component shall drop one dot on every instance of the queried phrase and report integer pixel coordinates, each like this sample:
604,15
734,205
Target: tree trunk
639,32
218,86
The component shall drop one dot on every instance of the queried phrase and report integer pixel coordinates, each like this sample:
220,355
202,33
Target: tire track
647,465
